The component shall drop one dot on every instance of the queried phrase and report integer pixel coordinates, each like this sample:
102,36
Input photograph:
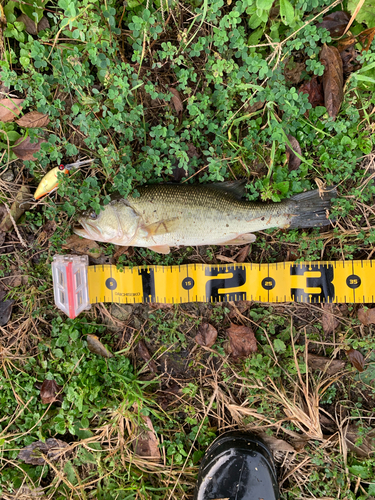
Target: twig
22,241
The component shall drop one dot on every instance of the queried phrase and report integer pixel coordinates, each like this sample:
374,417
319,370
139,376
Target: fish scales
206,215
169,215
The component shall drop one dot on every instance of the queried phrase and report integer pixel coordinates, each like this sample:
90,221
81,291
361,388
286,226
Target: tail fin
312,208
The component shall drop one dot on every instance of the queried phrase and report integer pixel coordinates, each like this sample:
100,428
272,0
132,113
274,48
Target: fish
174,215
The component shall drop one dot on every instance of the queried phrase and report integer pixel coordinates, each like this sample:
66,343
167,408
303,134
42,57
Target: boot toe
237,466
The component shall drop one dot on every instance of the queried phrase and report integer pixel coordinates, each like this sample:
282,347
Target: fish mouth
86,230
80,231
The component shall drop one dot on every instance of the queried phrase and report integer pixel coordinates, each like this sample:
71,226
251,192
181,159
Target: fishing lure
50,181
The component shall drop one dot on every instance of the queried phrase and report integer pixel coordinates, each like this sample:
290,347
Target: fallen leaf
293,70
207,335
178,173
10,109
329,320
300,443
293,161
344,43
356,359
146,444
33,119
83,246
223,258
33,453
43,24
145,355
333,79
119,251
335,23
31,27
326,365
276,444
242,341
49,392
314,89
242,254
176,100
366,316
5,311
253,108
192,151
328,424
366,446
96,347
25,150
19,206
349,57
366,37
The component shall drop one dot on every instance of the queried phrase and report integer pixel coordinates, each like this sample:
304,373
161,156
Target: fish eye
93,215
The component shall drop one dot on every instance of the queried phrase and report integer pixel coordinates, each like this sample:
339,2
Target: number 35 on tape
78,285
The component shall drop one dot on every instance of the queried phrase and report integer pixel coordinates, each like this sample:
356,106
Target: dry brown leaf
242,254
242,341
349,57
33,119
366,316
176,100
293,161
314,89
367,446
19,206
96,347
366,38
5,311
30,25
327,365
10,108
255,107
43,24
147,444
335,23
49,392
276,444
207,335
83,246
25,150
223,258
356,359
329,321
333,79
145,355
33,453
293,71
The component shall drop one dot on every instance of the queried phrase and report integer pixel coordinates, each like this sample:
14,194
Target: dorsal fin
235,188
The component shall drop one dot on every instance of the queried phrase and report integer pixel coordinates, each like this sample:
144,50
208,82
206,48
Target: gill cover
117,224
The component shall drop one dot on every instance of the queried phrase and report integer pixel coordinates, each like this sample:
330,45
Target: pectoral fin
161,226
160,249
242,239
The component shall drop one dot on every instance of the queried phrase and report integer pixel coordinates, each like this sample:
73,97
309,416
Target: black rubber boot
237,466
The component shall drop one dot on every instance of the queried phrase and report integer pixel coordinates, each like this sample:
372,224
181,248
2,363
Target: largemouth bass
173,215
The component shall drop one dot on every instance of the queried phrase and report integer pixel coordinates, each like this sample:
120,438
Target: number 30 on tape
78,285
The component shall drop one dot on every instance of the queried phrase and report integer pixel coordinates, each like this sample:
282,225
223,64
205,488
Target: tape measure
78,285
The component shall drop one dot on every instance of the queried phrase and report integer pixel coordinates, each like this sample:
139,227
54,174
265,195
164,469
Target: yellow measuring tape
310,282
78,285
